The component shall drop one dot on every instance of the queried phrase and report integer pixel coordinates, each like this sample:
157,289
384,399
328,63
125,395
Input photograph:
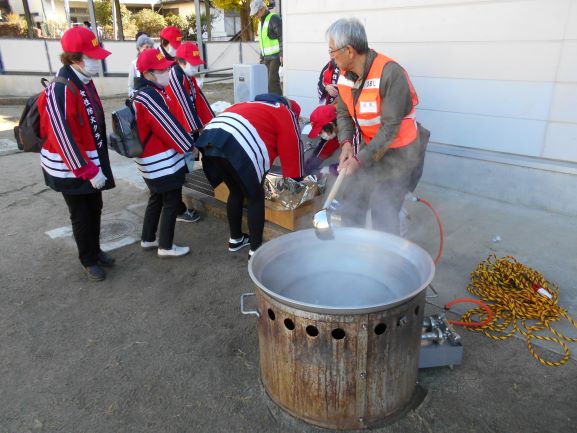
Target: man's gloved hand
99,180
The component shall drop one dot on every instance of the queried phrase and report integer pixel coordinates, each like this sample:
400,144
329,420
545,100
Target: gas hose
521,300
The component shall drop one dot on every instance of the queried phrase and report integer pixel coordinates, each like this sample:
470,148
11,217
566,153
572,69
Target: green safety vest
268,46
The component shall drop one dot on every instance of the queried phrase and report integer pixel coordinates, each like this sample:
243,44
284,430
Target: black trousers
235,202
160,216
85,212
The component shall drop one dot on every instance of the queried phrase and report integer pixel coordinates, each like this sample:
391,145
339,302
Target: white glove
99,180
332,89
280,73
189,161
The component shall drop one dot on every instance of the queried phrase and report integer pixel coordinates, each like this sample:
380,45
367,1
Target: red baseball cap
321,116
152,59
82,40
172,35
189,51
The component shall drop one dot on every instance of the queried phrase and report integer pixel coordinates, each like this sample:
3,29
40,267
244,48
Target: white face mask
171,50
91,66
162,78
190,70
326,136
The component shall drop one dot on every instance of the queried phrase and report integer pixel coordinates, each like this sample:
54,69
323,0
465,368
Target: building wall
493,76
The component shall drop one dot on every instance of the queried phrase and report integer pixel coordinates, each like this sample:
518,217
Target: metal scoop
322,219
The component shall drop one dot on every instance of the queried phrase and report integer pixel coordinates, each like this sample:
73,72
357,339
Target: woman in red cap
187,102
238,148
162,163
324,125
170,42
74,157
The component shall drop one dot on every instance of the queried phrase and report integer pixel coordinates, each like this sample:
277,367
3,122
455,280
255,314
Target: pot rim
325,309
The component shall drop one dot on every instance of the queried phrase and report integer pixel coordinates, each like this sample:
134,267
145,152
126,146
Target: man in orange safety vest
382,145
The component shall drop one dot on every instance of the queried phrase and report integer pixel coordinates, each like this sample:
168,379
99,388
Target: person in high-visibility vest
384,159
270,41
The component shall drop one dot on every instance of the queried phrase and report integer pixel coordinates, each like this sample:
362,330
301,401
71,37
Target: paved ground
161,346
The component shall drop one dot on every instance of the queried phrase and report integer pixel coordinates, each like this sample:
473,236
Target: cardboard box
299,218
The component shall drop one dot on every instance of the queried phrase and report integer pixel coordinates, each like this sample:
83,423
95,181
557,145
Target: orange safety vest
368,108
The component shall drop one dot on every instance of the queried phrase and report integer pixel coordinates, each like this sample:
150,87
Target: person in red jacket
238,148
324,124
74,157
187,102
162,163
327,85
170,42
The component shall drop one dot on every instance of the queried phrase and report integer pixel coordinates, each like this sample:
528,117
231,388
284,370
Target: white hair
348,31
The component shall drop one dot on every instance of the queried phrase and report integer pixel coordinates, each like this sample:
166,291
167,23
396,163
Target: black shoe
105,260
95,272
188,216
244,242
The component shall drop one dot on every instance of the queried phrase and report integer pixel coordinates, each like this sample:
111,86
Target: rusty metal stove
339,325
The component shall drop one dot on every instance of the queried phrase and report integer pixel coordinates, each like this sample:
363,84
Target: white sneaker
175,251
147,246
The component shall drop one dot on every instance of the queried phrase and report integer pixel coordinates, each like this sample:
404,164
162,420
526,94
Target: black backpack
27,133
124,138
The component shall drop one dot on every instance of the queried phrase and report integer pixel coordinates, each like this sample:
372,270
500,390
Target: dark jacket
165,140
73,123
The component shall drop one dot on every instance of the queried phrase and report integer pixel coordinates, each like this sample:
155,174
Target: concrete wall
42,56
225,54
26,85
491,75
497,80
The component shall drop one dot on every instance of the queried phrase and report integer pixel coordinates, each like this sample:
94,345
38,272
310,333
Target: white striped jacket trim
54,165
164,120
182,97
61,132
160,165
247,136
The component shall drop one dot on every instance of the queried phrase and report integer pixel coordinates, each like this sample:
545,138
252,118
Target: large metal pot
339,324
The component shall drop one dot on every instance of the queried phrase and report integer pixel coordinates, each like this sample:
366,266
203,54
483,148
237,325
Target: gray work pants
272,66
381,188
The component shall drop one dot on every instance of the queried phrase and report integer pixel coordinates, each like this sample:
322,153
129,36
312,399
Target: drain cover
114,229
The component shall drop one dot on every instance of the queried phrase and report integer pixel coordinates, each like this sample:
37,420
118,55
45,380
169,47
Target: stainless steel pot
359,271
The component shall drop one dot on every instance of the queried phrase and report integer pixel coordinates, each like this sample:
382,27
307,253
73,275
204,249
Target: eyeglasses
331,52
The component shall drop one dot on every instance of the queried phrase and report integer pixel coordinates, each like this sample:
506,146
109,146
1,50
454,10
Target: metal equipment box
249,81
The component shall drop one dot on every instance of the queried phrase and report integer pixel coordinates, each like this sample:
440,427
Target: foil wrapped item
288,194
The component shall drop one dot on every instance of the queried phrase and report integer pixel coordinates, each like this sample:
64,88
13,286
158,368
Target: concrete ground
161,346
